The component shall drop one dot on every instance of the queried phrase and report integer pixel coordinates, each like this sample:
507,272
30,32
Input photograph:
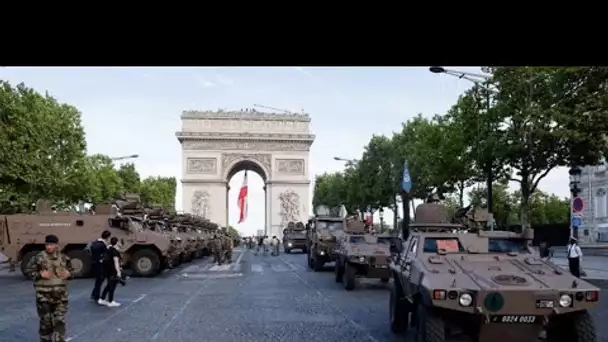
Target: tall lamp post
575,173
381,213
133,156
348,162
478,79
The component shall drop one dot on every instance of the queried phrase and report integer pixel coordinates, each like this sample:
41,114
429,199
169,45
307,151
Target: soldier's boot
12,266
229,257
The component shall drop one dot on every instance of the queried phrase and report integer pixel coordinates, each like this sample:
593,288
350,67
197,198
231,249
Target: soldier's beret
51,239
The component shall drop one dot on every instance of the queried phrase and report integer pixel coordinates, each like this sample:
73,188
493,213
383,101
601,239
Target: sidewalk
595,268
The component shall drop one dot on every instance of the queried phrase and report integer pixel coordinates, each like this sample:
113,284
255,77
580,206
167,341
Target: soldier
50,270
228,243
217,249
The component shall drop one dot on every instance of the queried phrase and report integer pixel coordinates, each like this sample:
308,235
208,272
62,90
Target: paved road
258,298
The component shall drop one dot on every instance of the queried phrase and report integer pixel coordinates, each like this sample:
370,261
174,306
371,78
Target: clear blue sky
137,110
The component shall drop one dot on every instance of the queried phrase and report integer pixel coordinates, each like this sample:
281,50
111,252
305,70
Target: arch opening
257,205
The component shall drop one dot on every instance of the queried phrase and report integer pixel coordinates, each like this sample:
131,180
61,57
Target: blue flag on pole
406,181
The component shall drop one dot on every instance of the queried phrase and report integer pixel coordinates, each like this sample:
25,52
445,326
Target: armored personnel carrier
294,237
22,237
361,255
450,278
322,237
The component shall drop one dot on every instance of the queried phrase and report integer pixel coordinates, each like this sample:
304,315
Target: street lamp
575,173
133,156
381,213
349,162
478,79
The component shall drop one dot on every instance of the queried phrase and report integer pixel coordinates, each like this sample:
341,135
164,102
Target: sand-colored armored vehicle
22,237
322,237
488,285
294,237
361,255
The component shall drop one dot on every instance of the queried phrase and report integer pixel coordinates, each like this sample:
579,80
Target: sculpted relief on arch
201,203
264,159
290,206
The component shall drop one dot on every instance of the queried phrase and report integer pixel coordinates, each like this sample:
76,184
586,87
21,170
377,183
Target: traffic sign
577,221
578,204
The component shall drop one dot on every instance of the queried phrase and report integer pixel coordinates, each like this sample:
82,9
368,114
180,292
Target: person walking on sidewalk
574,257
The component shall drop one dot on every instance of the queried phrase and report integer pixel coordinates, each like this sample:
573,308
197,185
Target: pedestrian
113,273
217,249
275,245
574,257
260,244
50,270
98,250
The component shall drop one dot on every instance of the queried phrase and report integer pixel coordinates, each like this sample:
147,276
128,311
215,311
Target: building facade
594,192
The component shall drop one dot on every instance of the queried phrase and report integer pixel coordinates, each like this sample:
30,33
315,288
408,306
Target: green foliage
103,182
130,177
159,191
43,153
43,146
522,123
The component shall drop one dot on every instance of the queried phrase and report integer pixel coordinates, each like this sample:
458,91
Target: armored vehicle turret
489,285
360,255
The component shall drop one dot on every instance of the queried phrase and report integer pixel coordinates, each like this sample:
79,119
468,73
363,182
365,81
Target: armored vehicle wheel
25,260
430,326
349,277
145,263
575,327
339,271
317,263
81,262
304,250
385,280
399,310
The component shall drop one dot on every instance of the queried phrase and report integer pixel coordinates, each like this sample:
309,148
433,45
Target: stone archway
216,145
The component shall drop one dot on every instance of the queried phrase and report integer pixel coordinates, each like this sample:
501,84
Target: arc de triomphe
218,144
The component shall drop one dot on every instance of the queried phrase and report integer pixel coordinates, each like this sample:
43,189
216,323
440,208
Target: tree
503,202
42,147
130,177
103,183
378,173
541,118
159,191
329,190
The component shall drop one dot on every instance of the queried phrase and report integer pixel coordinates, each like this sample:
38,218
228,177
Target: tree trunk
461,194
524,206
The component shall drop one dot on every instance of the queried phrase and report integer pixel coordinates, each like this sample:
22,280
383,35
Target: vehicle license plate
512,319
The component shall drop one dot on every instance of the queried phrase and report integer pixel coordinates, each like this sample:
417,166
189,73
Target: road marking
164,328
257,268
326,299
220,268
98,323
238,260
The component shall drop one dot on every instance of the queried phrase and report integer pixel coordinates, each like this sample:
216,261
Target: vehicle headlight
465,299
361,259
289,244
565,301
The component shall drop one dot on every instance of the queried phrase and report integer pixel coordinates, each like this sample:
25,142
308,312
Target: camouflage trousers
218,256
52,307
228,255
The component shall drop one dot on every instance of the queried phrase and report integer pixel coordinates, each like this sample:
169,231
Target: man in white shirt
574,257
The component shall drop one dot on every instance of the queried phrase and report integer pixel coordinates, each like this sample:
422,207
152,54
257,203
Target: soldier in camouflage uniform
217,247
227,244
50,270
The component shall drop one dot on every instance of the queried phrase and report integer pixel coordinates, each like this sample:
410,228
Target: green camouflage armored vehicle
451,279
294,237
322,237
361,255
